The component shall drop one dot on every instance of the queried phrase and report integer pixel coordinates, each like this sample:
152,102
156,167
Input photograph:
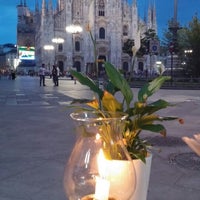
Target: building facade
26,38
8,58
106,25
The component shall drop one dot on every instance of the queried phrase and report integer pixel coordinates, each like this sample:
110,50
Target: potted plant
142,115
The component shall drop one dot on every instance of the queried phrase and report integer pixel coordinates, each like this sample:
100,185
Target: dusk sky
164,8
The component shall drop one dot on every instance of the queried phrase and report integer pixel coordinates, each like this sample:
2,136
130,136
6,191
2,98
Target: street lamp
73,29
48,48
57,41
188,53
160,68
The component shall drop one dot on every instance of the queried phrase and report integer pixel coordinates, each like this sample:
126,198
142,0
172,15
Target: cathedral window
60,47
101,8
77,46
77,65
77,8
101,33
19,18
125,67
125,30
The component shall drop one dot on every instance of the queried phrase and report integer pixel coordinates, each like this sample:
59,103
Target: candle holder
99,167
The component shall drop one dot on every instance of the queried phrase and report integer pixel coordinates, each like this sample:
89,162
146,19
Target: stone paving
36,137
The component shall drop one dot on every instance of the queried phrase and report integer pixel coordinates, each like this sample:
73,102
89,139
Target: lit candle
102,189
102,184
116,177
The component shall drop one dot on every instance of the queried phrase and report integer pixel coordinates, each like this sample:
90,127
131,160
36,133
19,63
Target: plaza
37,135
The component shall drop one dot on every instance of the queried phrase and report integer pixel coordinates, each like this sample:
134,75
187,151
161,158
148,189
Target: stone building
110,23
25,37
8,57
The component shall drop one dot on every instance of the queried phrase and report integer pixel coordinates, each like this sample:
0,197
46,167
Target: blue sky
186,10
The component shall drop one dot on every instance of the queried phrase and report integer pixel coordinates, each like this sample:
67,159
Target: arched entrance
77,66
141,66
61,66
101,69
125,66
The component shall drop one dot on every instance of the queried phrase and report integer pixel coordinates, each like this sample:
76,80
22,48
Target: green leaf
119,82
150,88
155,106
168,118
157,128
111,88
81,101
85,80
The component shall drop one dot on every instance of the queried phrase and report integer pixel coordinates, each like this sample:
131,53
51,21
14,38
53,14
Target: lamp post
49,48
73,29
88,29
160,68
57,41
188,53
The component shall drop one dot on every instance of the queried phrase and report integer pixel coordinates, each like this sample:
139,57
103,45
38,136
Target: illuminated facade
111,23
26,38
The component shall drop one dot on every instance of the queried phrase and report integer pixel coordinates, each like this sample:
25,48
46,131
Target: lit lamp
160,68
110,179
73,29
57,41
48,48
188,51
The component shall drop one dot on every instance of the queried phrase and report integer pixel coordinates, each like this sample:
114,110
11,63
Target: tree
188,38
127,48
193,41
145,42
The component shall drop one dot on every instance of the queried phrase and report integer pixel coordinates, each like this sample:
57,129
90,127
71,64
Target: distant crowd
10,74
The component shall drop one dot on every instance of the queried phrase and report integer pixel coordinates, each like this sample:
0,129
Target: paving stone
37,136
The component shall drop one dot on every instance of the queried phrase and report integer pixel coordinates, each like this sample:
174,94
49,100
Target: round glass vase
99,167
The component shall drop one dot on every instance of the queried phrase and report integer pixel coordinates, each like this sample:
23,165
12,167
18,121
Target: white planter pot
142,178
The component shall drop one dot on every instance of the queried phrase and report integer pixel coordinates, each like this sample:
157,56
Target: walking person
55,75
42,75
58,74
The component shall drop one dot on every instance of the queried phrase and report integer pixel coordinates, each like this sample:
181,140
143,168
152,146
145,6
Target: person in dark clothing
13,75
55,75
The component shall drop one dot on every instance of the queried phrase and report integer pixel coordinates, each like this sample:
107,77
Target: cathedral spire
152,24
50,7
57,6
36,6
43,7
61,4
135,2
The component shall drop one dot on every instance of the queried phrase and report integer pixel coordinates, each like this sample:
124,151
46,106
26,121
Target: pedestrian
42,75
13,74
58,74
55,75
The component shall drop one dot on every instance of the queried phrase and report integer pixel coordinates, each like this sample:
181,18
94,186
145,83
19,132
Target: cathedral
104,26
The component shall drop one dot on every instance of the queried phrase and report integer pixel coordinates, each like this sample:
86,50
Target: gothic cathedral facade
106,25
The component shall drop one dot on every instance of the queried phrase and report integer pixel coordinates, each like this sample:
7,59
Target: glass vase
99,167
